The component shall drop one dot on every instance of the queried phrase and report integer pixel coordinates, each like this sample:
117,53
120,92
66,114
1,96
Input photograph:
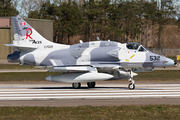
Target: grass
146,112
25,76
15,66
157,75
162,75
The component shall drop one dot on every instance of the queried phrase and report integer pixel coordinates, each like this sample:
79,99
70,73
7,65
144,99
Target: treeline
119,20
7,8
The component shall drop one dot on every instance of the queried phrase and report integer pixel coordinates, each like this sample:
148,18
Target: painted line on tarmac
84,97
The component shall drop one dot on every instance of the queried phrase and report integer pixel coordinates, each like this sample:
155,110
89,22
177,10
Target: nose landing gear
131,86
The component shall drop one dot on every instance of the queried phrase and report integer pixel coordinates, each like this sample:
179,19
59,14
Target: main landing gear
131,86
78,85
91,84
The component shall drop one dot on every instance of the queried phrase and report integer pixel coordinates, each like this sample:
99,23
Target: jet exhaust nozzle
14,57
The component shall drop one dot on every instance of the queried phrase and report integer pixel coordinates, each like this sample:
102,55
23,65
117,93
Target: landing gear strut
131,86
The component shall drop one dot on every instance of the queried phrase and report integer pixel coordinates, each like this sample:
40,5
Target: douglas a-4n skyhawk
84,62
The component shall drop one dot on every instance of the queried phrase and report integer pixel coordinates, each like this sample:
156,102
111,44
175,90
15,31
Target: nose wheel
131,86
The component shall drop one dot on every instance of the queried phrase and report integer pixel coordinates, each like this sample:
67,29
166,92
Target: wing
59,66
77,68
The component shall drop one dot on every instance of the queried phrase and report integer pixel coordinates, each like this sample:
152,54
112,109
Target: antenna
97,38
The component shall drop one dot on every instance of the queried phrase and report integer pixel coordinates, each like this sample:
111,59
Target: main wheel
76,85
91,84
131,86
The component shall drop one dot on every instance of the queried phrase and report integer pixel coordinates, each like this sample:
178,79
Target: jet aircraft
86,62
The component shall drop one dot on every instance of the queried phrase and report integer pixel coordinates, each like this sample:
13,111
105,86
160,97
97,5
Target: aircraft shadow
86,88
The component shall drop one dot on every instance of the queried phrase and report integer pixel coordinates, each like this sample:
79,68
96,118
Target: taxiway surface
105,93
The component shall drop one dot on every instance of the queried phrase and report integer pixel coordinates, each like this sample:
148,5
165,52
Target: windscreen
136,46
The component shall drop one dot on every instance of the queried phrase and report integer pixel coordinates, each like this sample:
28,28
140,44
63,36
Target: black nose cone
175,63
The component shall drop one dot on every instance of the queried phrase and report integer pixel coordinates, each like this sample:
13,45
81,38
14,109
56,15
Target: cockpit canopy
136,46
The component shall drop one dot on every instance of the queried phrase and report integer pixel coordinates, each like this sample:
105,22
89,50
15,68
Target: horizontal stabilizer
22,46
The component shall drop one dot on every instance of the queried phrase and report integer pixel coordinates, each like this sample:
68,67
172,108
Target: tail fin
27,38
24,33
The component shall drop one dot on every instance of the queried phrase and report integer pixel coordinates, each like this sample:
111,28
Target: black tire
76,85
91,84
131,86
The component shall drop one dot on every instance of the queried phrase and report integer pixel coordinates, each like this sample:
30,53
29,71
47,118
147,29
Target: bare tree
57,2
15,3
176,5
26,6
